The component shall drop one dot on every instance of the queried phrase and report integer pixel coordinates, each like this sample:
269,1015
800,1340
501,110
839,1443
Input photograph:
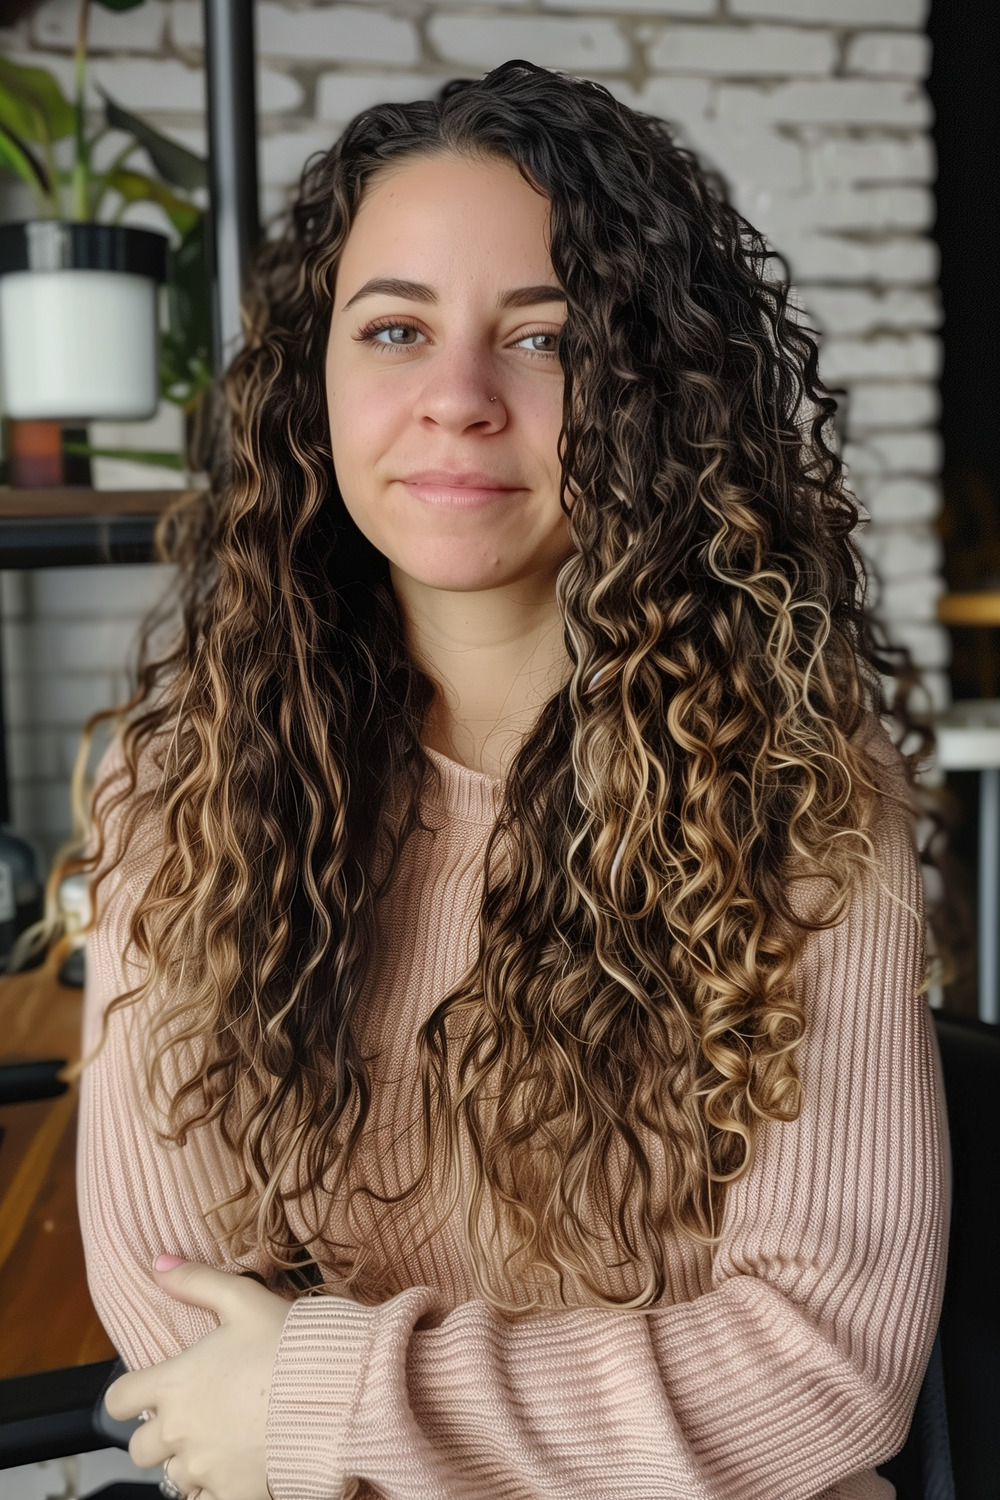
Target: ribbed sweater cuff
314,1386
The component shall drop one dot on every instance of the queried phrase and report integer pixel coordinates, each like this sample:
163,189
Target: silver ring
168,1489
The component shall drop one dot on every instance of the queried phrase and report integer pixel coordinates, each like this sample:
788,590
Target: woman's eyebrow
417,291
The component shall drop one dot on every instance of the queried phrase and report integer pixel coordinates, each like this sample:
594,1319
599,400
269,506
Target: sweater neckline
473,796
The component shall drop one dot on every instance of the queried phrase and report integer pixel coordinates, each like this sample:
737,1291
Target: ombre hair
635,977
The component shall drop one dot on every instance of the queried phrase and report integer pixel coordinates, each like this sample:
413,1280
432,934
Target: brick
341,96
633,7
140,83
285,32
737,51
895,453
551,42
858,101
838,310
912,598
881,207
912,261
752,160
99,592
937,686
931,692
901,405
894,501
915,355
187,27
836,12
348,33
281,157
170,85
889,54
902,551
929,645
844,159
680,101
140,30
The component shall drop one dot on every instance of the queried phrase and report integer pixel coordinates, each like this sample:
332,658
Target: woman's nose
460,389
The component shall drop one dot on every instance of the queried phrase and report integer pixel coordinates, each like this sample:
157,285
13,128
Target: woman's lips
458,491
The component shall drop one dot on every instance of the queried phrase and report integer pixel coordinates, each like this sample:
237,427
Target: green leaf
15,154
179,166
136,187
186,346
160,457
32,104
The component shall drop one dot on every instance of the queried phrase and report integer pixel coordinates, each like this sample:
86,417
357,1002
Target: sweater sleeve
135,1196
798,1368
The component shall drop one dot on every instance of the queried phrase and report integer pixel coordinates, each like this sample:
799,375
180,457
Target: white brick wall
814,111
68,648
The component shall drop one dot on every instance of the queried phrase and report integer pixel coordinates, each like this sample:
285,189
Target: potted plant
79,325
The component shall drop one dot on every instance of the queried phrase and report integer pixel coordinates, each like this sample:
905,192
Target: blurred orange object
34,453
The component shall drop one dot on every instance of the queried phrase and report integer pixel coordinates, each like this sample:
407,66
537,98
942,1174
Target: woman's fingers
146,1446
132,1393
177,1471
226,1294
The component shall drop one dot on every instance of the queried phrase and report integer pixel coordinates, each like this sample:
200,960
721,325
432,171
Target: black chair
953,1448
21,1083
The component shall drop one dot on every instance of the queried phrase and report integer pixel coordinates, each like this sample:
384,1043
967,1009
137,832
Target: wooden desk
46,1314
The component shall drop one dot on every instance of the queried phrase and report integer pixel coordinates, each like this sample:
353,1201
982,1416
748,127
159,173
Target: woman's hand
209,1404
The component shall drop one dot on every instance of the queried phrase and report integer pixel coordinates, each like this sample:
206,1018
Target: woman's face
444,385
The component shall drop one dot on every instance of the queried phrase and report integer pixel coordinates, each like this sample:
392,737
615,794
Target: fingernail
167,1262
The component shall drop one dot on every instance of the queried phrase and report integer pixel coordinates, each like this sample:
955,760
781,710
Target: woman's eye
540,343
405,336
397,335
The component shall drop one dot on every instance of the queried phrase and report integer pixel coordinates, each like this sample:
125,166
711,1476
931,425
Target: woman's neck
495,656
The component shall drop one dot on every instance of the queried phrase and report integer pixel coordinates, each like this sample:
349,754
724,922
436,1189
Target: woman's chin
457,575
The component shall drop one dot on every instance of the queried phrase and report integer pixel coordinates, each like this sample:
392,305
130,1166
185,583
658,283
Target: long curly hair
635,975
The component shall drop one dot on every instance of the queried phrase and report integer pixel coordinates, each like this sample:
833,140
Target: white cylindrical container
74,902
79,337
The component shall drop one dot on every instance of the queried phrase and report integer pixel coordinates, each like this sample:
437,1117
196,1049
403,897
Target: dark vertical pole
4,775
232,158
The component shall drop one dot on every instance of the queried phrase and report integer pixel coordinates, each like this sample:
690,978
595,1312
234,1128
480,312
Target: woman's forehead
430,215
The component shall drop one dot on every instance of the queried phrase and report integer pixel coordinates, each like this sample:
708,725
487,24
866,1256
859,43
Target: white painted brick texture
814,111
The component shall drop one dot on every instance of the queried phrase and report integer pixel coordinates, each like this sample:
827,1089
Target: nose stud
493,398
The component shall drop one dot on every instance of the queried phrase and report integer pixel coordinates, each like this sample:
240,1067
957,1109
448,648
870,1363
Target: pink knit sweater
785,1365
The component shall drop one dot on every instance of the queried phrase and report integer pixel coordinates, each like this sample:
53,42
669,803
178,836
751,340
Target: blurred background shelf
72,527
73,500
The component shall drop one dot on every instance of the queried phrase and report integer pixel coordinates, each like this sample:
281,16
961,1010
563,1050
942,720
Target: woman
509,931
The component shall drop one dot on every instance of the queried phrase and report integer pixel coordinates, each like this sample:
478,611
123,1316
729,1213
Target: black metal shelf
52,542
73,527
